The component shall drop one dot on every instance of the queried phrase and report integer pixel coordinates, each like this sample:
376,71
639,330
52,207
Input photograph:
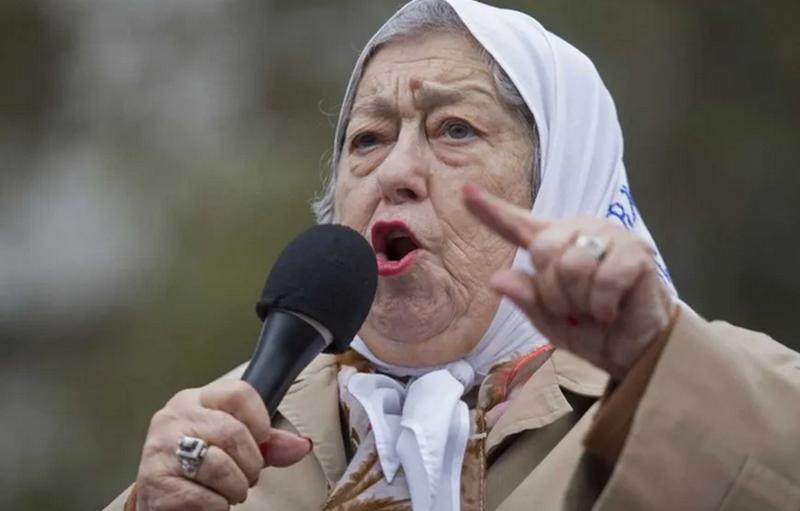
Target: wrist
658,338
614,419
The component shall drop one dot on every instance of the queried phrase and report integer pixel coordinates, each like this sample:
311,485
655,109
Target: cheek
354,201
471,252
509,176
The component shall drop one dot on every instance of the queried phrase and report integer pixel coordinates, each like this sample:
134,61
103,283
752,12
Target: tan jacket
717,428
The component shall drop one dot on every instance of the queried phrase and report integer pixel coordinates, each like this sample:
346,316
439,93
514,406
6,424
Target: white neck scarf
423,426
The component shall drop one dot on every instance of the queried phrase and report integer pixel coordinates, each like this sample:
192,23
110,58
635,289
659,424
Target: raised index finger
513,223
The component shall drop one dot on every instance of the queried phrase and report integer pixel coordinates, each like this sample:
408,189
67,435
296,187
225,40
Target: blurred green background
157,154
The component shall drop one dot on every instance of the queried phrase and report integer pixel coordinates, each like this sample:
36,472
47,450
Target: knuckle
184,395
627,267
638,265
539,260
644,246
235,430
572,269
232,396
240,394
648,264
162,417
604,302
218,469
245,389
596,306
544,244
253,478
605,283
613,228
216,506
153,446
603,311
232,434
145,483
164,495
188,498
607,309
173,501
239,491
251,464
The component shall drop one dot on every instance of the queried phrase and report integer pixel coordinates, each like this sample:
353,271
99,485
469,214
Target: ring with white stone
596,246
190,452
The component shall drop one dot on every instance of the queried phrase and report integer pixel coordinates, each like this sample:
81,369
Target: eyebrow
375,106
427,97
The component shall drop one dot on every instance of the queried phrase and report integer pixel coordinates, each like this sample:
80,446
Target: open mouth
395,247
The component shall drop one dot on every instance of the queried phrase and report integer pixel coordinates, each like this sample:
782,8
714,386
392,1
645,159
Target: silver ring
190,452
596,246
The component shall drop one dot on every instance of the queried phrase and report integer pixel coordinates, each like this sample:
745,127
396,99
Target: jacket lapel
541,401
312,406
534,416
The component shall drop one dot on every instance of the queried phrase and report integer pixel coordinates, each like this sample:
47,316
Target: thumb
286,448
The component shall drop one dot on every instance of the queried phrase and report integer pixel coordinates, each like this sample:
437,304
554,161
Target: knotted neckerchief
394,463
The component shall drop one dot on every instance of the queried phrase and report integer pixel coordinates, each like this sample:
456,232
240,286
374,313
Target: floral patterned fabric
363,487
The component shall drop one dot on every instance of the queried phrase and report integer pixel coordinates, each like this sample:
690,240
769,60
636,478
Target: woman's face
426,120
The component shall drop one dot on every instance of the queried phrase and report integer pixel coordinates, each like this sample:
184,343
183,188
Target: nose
403,175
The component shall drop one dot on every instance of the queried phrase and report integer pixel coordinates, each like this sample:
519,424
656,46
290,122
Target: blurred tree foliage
157,155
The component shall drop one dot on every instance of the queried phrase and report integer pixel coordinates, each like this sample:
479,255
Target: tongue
398,248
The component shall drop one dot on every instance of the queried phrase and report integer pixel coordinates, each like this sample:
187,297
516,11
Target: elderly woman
472,147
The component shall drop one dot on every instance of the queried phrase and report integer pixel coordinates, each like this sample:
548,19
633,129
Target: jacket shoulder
716,427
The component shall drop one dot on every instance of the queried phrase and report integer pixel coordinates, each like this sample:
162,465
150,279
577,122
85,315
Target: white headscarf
582,173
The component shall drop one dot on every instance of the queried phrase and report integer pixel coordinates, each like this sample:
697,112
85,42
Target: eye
364,141
458,130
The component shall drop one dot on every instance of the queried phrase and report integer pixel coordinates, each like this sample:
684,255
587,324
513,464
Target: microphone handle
287,344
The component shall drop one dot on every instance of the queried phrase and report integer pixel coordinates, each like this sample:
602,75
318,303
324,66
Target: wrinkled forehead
425,63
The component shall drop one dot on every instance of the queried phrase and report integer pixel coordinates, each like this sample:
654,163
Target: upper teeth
396,233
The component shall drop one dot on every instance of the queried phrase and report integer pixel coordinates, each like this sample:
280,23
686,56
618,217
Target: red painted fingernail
572,320
264,448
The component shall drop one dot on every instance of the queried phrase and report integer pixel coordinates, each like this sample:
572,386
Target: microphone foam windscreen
328,273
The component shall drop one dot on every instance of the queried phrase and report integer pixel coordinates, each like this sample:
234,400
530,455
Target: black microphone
316,297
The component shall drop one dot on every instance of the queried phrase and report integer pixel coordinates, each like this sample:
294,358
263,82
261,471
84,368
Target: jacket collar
579,376
312,404
541,400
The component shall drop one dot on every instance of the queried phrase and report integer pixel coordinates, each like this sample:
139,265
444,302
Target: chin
404,327
409,318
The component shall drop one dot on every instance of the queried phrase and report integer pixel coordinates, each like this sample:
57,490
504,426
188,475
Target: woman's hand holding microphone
233,423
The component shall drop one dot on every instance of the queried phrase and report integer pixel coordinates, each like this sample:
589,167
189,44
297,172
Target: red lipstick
396,248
